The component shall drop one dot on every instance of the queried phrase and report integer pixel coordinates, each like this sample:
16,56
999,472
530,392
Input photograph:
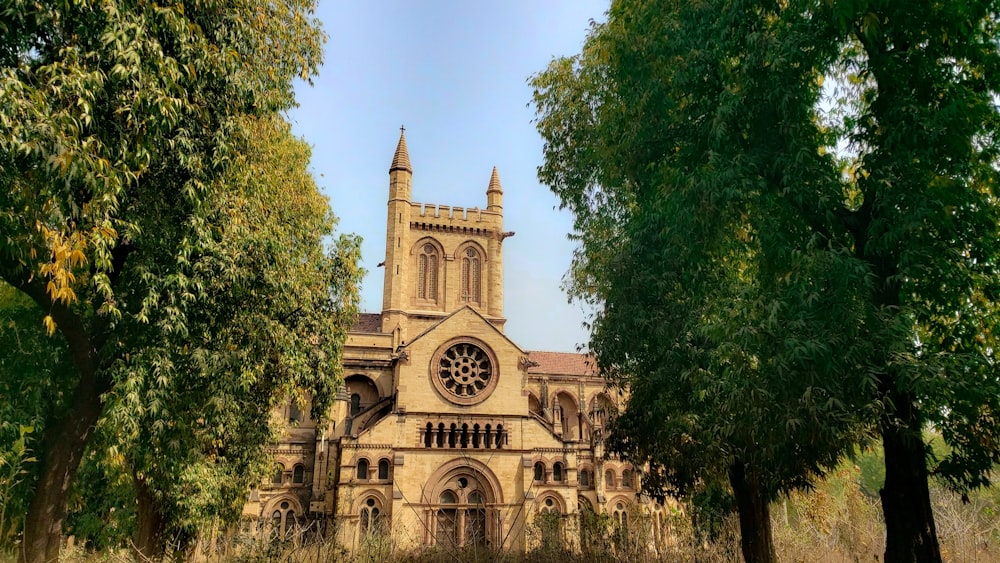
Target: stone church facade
447,433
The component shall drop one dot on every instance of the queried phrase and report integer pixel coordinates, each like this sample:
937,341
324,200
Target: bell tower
439,258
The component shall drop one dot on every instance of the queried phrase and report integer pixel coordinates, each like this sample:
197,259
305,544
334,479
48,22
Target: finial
401,160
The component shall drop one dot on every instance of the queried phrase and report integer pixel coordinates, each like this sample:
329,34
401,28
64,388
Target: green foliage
789,225
157,208
731,324
35,369
13,462
102,513
273,302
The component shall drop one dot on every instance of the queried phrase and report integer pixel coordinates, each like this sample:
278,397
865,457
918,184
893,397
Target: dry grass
835,523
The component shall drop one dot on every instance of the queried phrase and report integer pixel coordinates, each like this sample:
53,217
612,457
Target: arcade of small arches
555,472
454,436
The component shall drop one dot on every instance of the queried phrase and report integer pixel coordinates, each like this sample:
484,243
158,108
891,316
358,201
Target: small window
383,469
557,472
584,478
539,471
448,497
627,479
279,472
362,469
298,474
609,479
294,415
355,404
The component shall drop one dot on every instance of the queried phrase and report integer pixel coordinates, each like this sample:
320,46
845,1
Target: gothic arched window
472,267
539,471
362,469
355,404
298,474
383,469
427,273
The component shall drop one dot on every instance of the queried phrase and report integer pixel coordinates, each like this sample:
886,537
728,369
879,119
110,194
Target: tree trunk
755,515
64,443
906,502
64,447
149,530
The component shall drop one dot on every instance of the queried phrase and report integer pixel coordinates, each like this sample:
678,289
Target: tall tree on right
788,219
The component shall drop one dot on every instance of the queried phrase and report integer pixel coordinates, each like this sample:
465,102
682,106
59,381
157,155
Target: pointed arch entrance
462,502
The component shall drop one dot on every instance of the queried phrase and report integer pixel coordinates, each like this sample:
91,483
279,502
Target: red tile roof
563,363
368,322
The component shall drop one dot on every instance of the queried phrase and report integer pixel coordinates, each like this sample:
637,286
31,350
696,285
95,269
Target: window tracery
471,276
427,273
371,517
464,371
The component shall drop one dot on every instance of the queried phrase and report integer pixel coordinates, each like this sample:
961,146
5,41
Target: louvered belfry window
471,277
427,273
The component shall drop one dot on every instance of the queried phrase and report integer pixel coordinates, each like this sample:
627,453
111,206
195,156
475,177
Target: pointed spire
494,193
401,160
494,182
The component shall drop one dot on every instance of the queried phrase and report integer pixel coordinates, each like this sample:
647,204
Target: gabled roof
563,363
368,322
456,312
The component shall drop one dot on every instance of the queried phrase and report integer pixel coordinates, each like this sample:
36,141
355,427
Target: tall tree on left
116,120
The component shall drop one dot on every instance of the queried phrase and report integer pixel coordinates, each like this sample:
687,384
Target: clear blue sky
454,73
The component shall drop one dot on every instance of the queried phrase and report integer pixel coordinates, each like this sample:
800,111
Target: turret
397,241
400,172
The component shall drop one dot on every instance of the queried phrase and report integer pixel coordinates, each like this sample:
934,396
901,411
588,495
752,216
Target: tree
192,412
781,265
117,121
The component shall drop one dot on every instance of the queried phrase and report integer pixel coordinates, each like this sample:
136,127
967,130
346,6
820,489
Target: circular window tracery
464,372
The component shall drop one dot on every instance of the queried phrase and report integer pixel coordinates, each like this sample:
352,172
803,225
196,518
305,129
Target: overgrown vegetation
837,522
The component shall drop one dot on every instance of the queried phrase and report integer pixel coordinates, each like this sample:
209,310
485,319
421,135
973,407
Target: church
446,432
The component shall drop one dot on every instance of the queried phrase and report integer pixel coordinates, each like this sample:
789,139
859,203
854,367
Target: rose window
465,370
